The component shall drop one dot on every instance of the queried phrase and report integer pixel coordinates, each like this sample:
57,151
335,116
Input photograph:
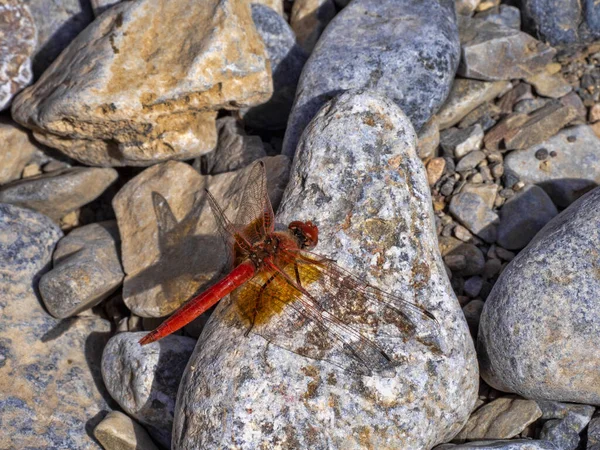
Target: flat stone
550,85
472,211
522,216
495,52
486,116
142,90
117,431
465,96
308,20
574,170
16,150
564,432
19,36
429,139
287,59
470,161
58,193
458,142
383,200
487,192
473,257
509,16
549,290
171,246
435,169
502,418
405,50
519,92
50,388
86,270
144,379
512,444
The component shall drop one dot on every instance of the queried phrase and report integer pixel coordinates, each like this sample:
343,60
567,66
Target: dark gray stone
512,444
541,320
86,270
593,434
144,379
564,432
51,391
473,212
405,50
287,60
470,161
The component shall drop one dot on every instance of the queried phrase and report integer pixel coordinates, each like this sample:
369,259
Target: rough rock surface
99,6
50,385
86,270
287,60
275,5
564,423
144,379
16,150
512,444
406,50
117,431
308,20
571,172
58,193
472,211
19,36
367,192
541,320
135,90
171,246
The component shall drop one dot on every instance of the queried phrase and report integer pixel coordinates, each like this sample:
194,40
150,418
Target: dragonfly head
307,233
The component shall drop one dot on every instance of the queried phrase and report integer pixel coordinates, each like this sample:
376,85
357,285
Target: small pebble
506,193
497,170
455,262
541,154
492,268
519,185
504,254
462,233
31,170
553,154
472,286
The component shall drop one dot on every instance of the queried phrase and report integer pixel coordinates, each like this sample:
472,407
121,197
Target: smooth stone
512,444
308,20
502,418
549,289
435,169
472,310
405,50
19,37
593,434
487,192
428,139
170,243
565,177
58,193
86,270
99,6
135,90
51,391
235,149
473,257
522,216
117,431
144,379
494,52
458,142
372,181
287,59
473,212
16,150
470,161
465,96
509,16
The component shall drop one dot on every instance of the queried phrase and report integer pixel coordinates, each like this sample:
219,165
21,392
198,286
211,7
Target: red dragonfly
301,301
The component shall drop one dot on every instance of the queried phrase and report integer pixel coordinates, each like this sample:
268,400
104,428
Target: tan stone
308,20
117,431
428,139
143,82
276,5
595,113
16,150
549,85
435,170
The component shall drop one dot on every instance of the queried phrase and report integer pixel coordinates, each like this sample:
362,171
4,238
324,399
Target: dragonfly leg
263,288
297,274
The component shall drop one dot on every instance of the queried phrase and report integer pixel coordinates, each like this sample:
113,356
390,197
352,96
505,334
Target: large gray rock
366,190
540,325
144,379
568,173
405,50
50,385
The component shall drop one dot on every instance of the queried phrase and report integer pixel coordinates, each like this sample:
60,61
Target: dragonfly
299,300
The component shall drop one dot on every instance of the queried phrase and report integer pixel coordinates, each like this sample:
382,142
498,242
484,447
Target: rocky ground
449,151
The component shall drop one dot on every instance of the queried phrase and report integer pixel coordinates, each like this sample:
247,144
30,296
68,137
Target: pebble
466,7
86,270
16,150
549,290
453,248
472,211
502,418
506,15
472,311
470,161
504,254
472,287
428,139
573,170
487,192
118,431
287,59
144,379
19,37
435,169
415,70
512,444
465,96
462,233
308,20
129,110
523,216
50,389
381,213
549,85
459,142
492,268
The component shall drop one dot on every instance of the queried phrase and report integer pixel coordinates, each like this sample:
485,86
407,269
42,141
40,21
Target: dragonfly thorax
306,233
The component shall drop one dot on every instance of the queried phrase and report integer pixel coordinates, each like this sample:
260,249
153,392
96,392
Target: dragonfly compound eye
306,232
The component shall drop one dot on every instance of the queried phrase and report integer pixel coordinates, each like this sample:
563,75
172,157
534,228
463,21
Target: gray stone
287,60
465,96
308,20
487,192
19,36
593,434
86,270
565,177
472,211
473,257
16,150
58,193
522,216
472,310
495,52
144,379
509,16
470,161
405,50
99,6
50,384
550,85
512,444
429,139
458,142
541,320
564,432
118,431
356,165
